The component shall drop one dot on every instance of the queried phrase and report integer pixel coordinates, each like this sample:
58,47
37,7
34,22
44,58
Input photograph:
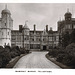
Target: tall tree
65,39
72,37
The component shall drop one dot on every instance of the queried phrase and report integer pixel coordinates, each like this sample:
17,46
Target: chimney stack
46,28
20,28
34,27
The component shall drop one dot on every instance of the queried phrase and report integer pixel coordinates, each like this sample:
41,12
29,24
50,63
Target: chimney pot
20,28
46,28
34,27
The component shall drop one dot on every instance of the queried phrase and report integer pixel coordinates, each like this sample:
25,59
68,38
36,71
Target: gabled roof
6,11
14,30
26,27
44,32
38,31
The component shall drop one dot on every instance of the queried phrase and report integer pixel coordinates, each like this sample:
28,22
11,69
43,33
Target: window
39,40
31,46
50,38
8,44
27,37
68,26
24,38
5,24
43,39
32,39
18,38
34,46
54,39
8,33
5,44
69,18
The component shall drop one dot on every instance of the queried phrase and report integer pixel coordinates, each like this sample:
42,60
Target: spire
26,22
5,6
25,26
67,9
72,11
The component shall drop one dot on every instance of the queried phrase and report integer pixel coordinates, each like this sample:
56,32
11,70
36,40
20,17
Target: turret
68,15
6,27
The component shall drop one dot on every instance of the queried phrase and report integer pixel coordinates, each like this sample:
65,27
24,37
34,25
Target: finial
26,22
6,6
67,9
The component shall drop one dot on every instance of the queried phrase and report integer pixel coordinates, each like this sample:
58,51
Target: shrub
5,59
7,53
15,51
72,62
70,48
8,48
27,51
67,60
0,61
4,56
22,51
60,57
1,49
13,54
1,56
65,56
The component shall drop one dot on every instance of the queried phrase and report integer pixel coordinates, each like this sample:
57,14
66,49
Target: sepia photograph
37,36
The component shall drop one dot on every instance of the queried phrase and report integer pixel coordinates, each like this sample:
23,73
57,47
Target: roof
44,32
36,31
26,27
6,11
14,30
55,31
68,13
73,19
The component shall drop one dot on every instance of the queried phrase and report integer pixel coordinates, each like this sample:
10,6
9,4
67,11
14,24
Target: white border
37,1
54,71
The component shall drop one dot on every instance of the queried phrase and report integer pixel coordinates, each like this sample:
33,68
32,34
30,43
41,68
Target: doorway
44,47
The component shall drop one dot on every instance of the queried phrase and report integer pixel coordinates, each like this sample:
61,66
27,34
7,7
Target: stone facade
34,39
29,39
66,25
6,25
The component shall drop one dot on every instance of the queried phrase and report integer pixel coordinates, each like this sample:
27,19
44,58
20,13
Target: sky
40,14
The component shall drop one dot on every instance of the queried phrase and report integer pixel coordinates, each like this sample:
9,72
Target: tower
68,15
6,25
26,36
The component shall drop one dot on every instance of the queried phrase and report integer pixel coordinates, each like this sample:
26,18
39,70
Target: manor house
24,37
